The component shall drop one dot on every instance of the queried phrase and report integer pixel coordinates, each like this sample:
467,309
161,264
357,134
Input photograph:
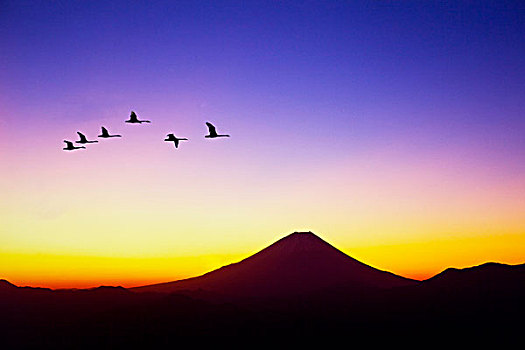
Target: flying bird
171,137
105,134
133,119
70,146
83,139
212,132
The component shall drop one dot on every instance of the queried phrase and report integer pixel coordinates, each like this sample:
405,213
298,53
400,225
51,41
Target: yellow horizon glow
87,220
76,271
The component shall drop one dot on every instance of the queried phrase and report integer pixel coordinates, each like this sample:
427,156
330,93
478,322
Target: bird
171,137
70,146
83,139
105,134
133,119
212,132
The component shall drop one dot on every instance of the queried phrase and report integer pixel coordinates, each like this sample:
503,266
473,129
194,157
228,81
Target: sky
394,130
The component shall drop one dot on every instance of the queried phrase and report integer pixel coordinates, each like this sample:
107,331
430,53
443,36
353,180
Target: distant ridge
498,274
489,276
298,286
298,264
4,284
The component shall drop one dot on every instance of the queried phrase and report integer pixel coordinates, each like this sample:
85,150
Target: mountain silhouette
488,272
300,288
486,279
6,286
298,264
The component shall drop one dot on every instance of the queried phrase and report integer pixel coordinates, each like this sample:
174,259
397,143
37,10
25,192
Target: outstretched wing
211,129
104,132
69,144
176,142
133,117
82,137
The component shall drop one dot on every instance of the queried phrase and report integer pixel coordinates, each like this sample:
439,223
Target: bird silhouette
105,134
133,119
70,146
213,132
83,139
171,137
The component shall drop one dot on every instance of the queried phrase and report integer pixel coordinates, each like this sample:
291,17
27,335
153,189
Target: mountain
6,286
486,278
483,272
298,288
298,264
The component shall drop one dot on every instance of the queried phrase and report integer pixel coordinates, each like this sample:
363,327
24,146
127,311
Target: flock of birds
133,119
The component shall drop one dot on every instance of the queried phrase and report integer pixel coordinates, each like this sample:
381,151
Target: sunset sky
395,130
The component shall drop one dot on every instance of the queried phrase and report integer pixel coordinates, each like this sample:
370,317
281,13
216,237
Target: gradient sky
393,130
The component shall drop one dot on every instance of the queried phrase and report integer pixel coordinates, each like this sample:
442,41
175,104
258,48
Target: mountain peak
306,238
303,236
298,246
302,233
